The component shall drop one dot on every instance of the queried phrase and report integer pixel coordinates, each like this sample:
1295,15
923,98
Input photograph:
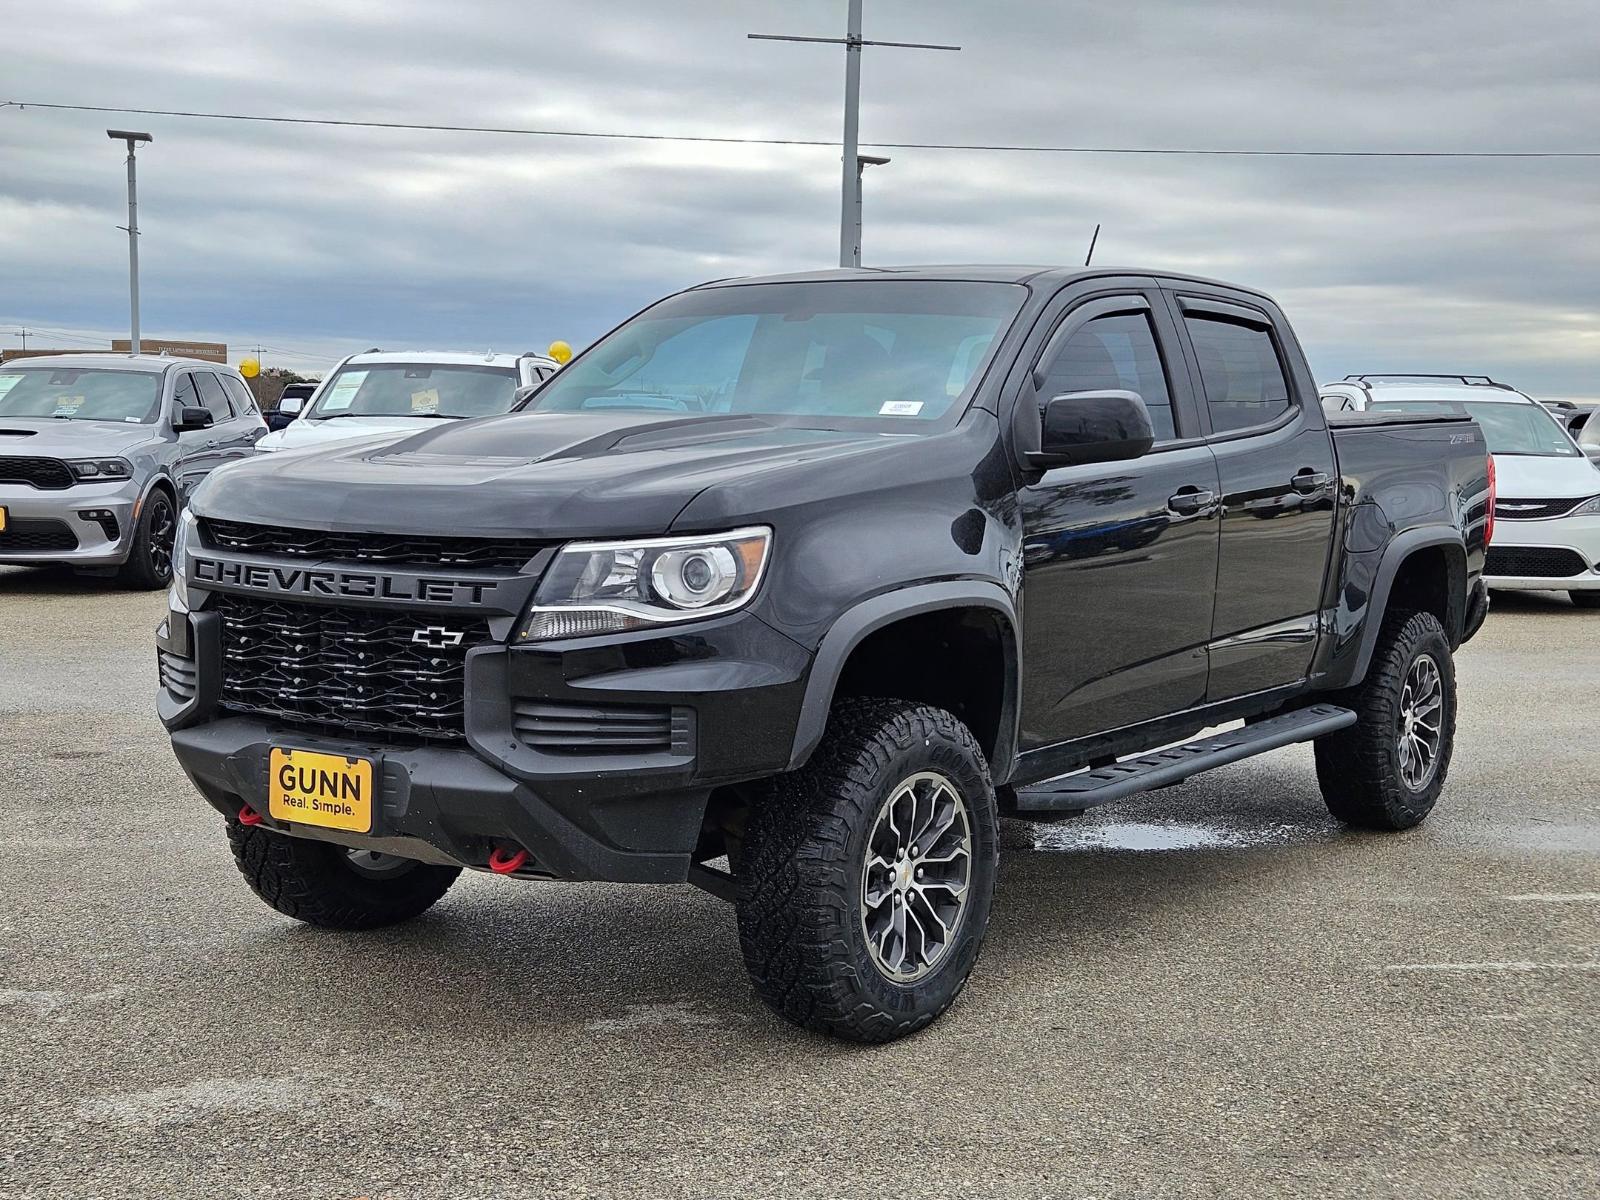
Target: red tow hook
502,863
249,816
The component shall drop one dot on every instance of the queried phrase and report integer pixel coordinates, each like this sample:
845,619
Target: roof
447,358
977,272
115,362
1453,393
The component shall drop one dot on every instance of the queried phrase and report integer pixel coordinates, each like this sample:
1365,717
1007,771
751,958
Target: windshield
894,355
1507,428
80,394
416,390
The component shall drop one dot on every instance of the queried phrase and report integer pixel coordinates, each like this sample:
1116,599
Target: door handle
1306,481
1191,500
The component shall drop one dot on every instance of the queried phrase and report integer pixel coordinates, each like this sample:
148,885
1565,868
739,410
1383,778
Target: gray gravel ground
1209,991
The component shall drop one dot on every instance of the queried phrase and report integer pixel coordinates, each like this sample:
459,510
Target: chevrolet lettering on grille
353,585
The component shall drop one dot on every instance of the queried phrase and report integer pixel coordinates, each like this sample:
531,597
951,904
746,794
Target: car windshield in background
1507,428
417,390
881,354
79,394
1589,437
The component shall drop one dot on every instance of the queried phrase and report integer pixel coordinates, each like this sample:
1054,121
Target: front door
1119,559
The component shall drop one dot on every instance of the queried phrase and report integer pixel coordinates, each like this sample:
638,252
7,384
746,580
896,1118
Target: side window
1115,353
243,402
213,397
184,394
1239,366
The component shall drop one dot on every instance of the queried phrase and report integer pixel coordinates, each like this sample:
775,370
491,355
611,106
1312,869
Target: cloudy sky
316,241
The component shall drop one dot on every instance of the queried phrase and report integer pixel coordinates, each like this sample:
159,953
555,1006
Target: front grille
37,536
346,669
1507,508
177,674
1538,561
50,474
559,728
392,548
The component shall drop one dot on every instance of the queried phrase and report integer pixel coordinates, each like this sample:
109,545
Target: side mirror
192,417
290,406
1093,427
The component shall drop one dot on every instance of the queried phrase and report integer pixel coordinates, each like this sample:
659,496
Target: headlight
607,587
1589,508
100,468
178,594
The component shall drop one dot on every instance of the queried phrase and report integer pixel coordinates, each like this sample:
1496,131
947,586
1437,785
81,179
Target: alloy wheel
1421,722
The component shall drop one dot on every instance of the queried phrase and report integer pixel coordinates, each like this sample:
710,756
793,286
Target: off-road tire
315,883
1358,768
143,570
1585,599
800,904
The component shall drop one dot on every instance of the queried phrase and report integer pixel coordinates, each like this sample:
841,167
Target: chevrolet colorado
791,587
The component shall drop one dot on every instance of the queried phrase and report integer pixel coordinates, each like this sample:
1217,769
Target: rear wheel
868,874
334,887
1386,770
149,564
1585,599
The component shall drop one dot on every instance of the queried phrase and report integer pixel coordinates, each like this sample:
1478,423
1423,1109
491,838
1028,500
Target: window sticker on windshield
344,391
7,382
425,401
900,408
67,405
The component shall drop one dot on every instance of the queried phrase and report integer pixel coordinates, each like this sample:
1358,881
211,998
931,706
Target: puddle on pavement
1140,835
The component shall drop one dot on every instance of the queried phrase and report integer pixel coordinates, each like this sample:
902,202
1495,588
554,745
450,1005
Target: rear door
252,426
1119,559
1279,479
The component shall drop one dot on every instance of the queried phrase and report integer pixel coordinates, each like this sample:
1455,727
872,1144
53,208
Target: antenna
1092,242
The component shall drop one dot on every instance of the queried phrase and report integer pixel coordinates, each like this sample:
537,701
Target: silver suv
99,453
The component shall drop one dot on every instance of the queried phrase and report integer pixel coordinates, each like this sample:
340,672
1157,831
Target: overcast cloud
327,240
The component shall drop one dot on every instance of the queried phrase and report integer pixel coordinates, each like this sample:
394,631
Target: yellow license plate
2,519
320,789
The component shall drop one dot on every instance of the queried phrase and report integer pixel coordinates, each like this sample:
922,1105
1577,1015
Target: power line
994,147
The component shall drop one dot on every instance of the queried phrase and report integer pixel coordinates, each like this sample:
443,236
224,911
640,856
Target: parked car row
1547,510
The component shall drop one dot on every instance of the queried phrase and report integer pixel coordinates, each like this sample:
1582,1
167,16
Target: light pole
850,200
863,161
133,139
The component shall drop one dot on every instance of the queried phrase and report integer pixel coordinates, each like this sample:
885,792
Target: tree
268,386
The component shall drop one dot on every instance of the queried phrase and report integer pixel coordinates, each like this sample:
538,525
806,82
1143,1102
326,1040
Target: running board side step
1085,789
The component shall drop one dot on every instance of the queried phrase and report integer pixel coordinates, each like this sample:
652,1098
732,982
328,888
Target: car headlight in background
178,593
1589,508
607,587
100,468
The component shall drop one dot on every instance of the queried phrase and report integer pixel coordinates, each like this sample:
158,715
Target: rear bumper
624,817
102,541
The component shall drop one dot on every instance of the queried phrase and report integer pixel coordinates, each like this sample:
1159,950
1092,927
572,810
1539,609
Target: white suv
401,391
1547,514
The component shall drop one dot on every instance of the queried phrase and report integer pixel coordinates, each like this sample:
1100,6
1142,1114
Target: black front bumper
735,686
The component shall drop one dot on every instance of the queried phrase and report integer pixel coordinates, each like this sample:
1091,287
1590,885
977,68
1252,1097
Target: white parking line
1496,966
1558,897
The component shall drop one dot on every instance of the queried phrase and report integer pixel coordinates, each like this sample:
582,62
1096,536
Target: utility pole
853,164
133,139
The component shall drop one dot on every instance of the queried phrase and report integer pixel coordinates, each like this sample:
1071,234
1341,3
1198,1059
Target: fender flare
1395,555
855,624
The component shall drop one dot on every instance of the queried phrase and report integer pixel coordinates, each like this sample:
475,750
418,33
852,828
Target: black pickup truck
792,587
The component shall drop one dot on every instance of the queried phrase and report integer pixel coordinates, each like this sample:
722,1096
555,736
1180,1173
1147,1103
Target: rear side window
1239,367
212,395
1114,353
243,402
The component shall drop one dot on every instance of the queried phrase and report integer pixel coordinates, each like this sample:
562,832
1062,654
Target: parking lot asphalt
1208,991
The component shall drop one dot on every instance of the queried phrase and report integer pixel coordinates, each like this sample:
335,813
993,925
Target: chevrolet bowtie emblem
437,636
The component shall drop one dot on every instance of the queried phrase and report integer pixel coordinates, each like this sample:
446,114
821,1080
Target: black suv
791,587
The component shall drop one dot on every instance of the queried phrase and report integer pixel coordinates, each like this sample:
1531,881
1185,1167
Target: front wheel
1585,599
1386,771
323,884
149,565
868,874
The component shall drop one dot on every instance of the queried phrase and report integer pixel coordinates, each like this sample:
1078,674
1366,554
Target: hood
303,434
46,437
555,475
1544,477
